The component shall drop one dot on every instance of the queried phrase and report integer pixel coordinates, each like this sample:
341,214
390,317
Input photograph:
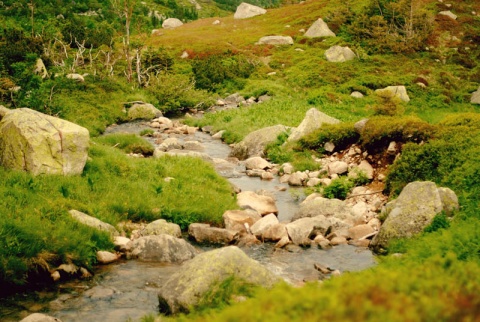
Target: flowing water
127,290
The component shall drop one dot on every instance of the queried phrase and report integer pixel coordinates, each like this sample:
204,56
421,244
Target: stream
127,290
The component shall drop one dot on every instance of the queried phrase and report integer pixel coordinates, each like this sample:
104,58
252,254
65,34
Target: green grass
113,187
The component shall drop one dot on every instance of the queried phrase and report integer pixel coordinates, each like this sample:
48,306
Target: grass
113,188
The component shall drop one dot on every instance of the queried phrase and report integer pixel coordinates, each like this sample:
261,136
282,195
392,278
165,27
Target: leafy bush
342,135
440,221
338,189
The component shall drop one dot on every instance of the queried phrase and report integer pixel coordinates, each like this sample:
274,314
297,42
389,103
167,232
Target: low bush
129,143
338,189
342,135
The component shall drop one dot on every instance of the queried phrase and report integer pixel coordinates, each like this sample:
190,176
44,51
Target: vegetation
396,42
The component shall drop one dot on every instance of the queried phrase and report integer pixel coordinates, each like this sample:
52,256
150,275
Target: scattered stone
356,94
338,240
394,91
300,230
475,99
262,204
235,220
122,244
314,119
104,257
203,233
337,167
449,14
254,143
297,178
360,231
171,23
161,226
76,77
39,317
329,147
275,232
162,248
245,10
339,54
275,40
257,163
216,22
262,225
319,29
392,148
322,268
143,111
93,222
283,242
40,69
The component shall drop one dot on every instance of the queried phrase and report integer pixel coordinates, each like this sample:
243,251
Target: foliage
338,189
113,188
440,221
129,143
342,135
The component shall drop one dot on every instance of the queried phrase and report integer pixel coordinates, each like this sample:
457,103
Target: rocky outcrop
204,233
254,143
339,54
143,111
42,144
162,248
394,91
276,40
413,210
171,23
314,119
246,10
264,205
93,222
319,29
161,226
187,287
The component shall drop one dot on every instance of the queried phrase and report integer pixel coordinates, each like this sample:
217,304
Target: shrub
129,143
440,221
342,135
339,188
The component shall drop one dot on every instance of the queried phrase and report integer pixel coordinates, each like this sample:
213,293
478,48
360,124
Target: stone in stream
237,219
261,226
187,287
204,233
162,248
161,226
262,204
39,317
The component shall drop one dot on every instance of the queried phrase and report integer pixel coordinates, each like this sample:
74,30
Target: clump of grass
129,143
342,135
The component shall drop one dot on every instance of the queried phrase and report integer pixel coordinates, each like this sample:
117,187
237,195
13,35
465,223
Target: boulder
319,29
40,69
275,232
360,125
42,144
236,220
360,231
169,144
475,99
198,277
162,248
413,210
161,226
300,230
323,206
254,143
76,77
257,163
264,205
143,111
356,94
246,10
262,225
3,111
314,119
339,54
104,257
276,40
171,23
337,167
93,222
297,178
39,317
394,91
204,233
122,244
449,14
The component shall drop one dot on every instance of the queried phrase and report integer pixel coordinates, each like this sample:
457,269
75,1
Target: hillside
415,44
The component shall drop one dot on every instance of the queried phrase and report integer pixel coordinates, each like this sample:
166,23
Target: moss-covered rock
42,144
190,284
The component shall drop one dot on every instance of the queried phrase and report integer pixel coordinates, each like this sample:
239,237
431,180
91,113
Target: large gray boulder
475,99
42,144
187,287
394,91
413,210
93,222
143,111
300,230
254,143
162,248
314,119
246,10
339,54
276,40
319,29
161,226
171,23
330,208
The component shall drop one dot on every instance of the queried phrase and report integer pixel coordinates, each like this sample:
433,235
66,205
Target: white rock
448,14
319,29
245,10
172,23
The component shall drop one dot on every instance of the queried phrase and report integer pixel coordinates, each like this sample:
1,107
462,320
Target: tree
124,9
